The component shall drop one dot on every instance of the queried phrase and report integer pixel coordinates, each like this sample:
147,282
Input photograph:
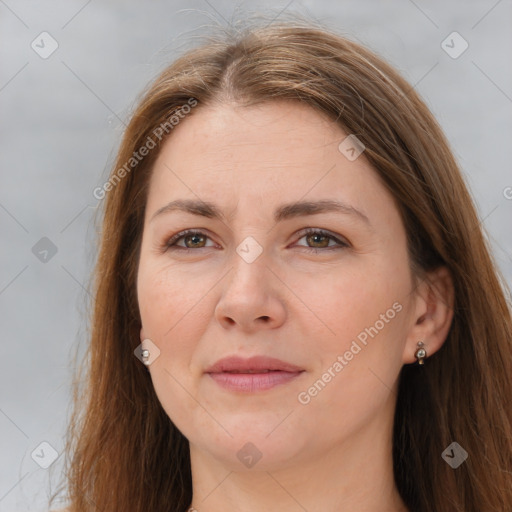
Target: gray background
61,122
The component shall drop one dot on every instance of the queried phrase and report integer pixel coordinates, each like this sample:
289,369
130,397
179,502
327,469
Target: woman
289,250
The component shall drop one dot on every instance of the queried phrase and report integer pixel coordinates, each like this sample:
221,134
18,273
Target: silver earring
145,356
421,353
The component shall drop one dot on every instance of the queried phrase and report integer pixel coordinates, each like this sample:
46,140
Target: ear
142,337
433,314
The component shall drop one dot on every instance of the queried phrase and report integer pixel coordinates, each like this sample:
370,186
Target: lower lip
251,382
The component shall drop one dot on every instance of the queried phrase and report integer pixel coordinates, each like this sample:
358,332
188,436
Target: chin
256,448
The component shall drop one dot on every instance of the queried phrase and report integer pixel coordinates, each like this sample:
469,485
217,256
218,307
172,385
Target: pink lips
257,373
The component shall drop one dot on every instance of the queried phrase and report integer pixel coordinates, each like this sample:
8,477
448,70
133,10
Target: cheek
170,310
166,295
360,356
353,298
168,301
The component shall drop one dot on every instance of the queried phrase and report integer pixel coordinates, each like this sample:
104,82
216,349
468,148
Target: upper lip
240,364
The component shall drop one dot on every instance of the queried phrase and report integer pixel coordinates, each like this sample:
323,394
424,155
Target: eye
194,239
322,239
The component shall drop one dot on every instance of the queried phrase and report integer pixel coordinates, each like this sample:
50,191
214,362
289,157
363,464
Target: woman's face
334,305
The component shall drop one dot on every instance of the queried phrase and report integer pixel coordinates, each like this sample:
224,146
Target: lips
256,364
257,373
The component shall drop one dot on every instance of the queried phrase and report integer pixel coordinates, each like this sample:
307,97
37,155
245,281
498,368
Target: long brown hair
124,453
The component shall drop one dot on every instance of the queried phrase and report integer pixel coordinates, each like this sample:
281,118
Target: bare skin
201,300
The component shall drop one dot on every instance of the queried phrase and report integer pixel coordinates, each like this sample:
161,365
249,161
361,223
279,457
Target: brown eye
192,240
195,240
318,239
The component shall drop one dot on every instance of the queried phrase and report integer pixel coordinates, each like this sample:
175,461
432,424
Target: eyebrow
283,212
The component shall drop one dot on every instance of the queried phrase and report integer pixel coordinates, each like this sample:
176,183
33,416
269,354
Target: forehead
278,132
259,155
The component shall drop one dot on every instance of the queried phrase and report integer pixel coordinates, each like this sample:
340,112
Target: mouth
250,371
258,373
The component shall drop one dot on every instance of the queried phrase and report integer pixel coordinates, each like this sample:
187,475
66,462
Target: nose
251,297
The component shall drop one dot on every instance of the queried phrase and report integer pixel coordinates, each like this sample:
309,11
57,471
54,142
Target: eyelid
171,241
342,242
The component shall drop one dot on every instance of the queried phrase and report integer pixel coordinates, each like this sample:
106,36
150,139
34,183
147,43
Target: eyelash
171,243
